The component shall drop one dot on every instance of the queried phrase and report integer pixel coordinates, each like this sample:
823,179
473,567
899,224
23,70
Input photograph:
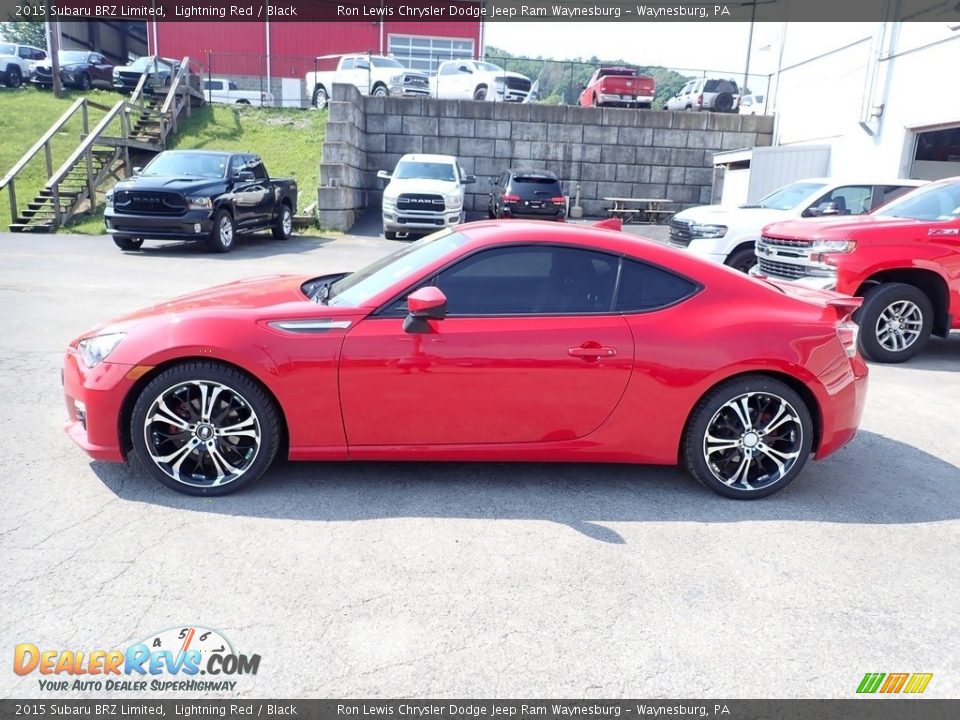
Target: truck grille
786,271
515,83
416,81
44,72
680,233
785,242
415,201
148,203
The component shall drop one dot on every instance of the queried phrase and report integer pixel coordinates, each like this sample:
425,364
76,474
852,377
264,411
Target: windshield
489,67
383,62
6,49
933,202
789,196
358,288
143,63
72,56
190,164
424,171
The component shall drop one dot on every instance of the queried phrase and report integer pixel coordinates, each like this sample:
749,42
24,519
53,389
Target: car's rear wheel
127,243
283,227
204,429
222,236
320,98
895,321
743,259
748,438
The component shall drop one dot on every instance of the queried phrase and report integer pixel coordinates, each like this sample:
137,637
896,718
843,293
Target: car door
847,200
529,352
98,68
247,194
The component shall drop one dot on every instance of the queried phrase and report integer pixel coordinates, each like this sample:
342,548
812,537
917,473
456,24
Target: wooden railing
178,96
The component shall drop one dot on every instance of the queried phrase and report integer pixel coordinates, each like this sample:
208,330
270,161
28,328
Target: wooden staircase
146,122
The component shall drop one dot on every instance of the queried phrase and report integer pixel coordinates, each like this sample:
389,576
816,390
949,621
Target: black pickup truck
200,195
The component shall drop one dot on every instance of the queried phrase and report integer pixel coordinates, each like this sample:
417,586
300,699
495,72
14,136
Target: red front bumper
94,425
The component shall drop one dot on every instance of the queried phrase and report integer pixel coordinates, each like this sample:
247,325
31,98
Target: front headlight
453,201
389,203
832,246
199,203
94,350
108,198
396,80
708,231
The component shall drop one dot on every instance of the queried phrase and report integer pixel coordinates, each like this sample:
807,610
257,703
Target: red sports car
520,341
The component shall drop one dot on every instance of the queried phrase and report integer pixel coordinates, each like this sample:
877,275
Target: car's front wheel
283,226
895,321
204,429
127,243
222,236
14,77
748,438
743,259
85,83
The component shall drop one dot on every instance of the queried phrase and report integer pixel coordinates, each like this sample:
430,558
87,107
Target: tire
480,93
895,321
14,77
753,463
594,102
283,226
194,453
85,83
742,259
490,213
126,243
320,98
389,235
380,90
723,102
243,102
644,106
223,235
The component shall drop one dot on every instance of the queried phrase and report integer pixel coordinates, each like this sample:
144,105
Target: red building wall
240,48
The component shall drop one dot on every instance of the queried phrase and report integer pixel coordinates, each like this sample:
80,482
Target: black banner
852,709
947,11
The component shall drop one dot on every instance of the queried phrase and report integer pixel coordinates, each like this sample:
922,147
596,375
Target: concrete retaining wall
608,152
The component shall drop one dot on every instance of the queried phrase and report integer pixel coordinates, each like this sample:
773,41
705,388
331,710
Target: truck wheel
480,93
14,77
380,91
126,243
320,98
742,259
283,227
895,322
389,235
221,237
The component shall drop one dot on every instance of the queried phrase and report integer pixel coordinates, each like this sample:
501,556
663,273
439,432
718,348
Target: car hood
414,185
721,215
170,184
833,228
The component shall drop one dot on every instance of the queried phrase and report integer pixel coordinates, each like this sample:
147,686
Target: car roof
207,152
530,172
863,181
420,157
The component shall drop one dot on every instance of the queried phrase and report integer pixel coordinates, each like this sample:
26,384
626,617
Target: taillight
559,200
511,198
700,100
847,331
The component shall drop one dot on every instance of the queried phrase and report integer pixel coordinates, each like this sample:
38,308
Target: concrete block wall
607,152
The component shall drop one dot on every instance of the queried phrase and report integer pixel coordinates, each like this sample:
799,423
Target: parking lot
468,580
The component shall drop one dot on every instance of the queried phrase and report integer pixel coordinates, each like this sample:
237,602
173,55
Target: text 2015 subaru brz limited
506,341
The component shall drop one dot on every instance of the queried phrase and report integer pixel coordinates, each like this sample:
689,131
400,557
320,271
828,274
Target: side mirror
469,179
137,170
244,176
427,303
383,175
826,208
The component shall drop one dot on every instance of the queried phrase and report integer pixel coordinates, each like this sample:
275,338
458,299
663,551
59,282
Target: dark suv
534,194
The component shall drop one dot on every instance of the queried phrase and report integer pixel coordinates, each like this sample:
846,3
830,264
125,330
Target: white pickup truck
478,80
728,235
376,75
221,90
425,193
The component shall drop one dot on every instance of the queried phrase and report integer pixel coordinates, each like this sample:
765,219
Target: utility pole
53,46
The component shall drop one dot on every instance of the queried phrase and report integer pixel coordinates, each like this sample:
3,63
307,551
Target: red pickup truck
618,87
902,259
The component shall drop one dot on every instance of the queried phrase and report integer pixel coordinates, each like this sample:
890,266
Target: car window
886,193
256,165
645,287
237,163
213,84
530,280
25,52
789,196
850,199
719,86
936,201
348,64
448,69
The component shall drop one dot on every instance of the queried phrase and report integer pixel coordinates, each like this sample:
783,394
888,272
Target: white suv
17,61
425,193
728,235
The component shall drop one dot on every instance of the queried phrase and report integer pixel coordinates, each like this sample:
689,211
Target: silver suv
713,94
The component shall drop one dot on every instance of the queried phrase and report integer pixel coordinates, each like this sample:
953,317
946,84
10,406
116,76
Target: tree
25,33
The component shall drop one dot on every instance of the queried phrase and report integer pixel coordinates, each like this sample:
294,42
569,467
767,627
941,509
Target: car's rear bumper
612,98
842,410
94,398
192,224
552,213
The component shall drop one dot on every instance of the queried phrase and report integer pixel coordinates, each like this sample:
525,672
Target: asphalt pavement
467,580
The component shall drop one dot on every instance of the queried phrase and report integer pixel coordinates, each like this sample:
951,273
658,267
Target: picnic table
649,210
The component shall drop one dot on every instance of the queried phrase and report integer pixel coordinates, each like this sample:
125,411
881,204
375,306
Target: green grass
289,141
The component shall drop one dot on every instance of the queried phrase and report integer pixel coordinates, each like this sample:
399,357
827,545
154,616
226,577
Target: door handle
592,351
